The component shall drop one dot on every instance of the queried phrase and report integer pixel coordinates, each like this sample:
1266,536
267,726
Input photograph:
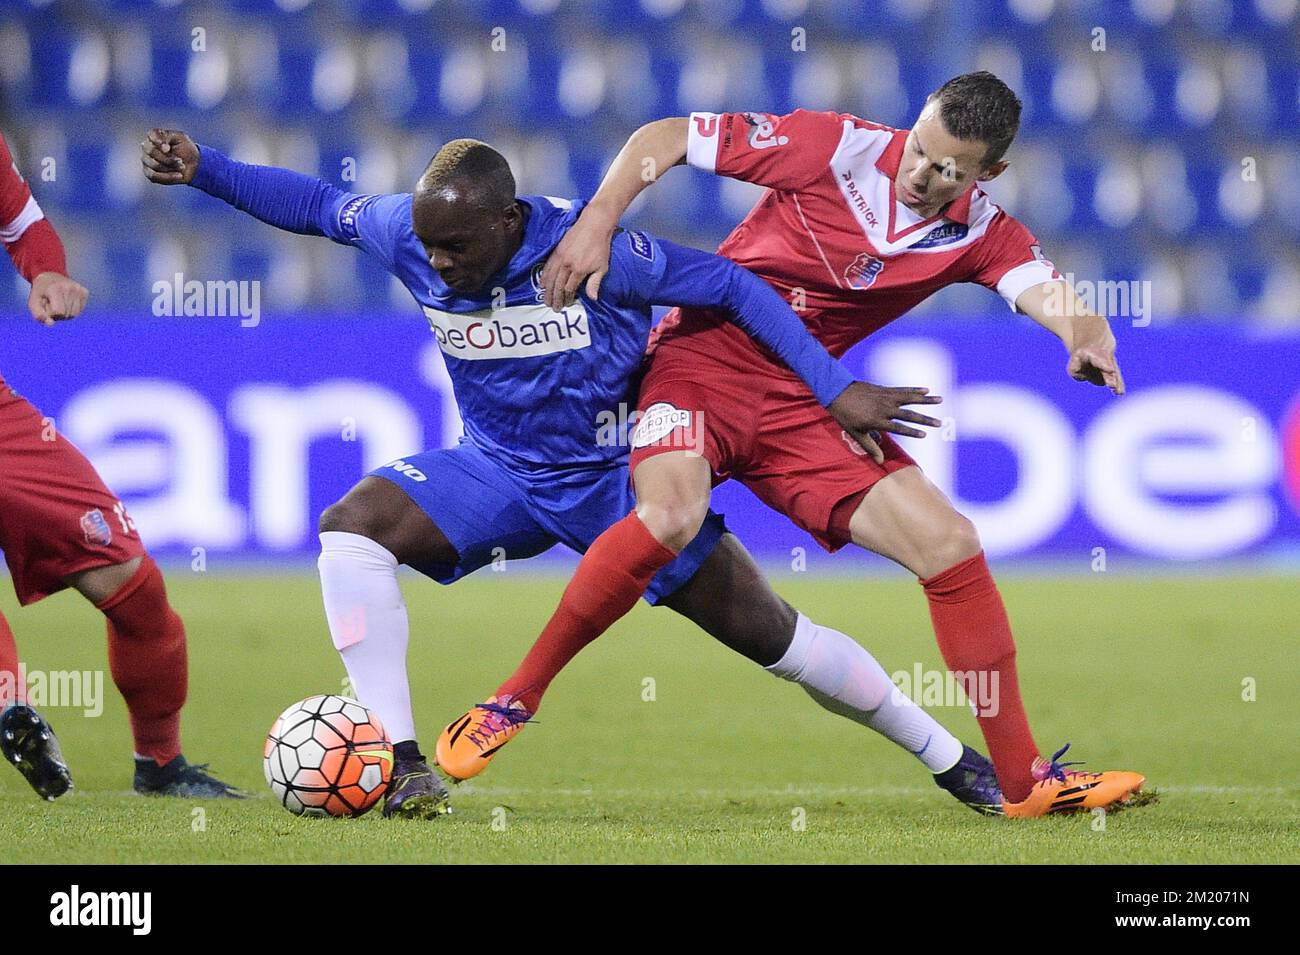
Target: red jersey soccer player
61,527
861,223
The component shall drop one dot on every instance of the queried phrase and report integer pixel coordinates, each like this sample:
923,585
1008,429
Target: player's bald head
468,172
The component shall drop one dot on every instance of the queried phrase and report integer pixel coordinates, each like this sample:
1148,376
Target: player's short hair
480,170
979,107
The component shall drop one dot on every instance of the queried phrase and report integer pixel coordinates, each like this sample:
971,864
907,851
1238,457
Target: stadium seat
1184,93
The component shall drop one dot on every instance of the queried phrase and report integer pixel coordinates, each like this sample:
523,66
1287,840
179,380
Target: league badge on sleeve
349,214
641,245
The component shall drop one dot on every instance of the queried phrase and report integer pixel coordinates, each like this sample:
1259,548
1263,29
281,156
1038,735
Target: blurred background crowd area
1160,140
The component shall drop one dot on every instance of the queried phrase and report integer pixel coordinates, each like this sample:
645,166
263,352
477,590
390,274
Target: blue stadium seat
51,56
1246,44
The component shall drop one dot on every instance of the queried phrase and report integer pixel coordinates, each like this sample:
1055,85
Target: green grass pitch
725,764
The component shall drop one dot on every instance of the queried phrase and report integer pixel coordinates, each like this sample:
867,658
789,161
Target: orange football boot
1062,790
467,744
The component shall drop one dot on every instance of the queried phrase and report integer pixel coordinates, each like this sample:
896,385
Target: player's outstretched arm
583,253
280,197
1087,335
644,270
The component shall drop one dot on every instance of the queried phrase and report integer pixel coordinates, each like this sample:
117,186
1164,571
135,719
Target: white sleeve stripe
14,230
702,141
1015,282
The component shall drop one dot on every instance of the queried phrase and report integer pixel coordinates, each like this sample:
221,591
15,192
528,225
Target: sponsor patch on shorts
659,421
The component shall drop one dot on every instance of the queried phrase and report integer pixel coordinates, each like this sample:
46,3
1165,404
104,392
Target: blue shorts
490,512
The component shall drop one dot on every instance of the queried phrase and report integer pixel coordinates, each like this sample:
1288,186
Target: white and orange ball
328,756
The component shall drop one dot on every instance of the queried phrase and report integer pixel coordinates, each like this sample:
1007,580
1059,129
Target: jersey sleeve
645,271
636,267
25,233
305,204
371,223
781,152
1010,260
18,209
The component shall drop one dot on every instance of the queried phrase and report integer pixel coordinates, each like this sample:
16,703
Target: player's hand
583,253
863,408
1094,362
169,156
55,298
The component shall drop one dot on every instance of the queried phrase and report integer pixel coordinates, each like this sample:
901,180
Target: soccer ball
328,756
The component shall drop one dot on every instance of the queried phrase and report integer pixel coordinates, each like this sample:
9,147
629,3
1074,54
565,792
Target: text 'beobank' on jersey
832,226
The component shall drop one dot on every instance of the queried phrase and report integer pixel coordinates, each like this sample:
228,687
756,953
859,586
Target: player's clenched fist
169,156
55,298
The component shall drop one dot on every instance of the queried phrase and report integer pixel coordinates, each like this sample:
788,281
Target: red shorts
56,515
762,426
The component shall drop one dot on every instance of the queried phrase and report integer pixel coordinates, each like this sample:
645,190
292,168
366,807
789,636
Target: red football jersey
831,226
18,208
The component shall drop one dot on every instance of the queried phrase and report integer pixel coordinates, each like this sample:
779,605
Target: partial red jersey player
61,527
860,223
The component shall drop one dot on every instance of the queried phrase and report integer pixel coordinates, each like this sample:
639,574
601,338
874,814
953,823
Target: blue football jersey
534,386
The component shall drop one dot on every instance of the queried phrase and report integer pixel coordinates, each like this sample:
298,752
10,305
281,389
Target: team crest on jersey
863,271
95,528
946,234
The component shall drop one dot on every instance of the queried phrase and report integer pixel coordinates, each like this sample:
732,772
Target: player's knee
958,540
674,523
350,517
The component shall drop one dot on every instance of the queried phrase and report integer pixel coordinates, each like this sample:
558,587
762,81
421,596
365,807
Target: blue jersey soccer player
532,470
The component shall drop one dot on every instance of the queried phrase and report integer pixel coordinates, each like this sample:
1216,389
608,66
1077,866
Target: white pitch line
467,790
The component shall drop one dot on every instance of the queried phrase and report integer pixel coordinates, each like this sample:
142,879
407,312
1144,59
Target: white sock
367,621
843,677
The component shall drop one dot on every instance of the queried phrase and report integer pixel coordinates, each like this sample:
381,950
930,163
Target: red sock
974,635
146,655
612,575
11,683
